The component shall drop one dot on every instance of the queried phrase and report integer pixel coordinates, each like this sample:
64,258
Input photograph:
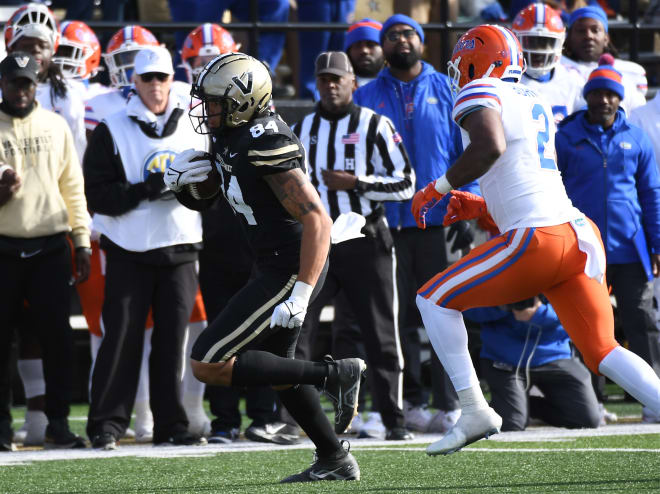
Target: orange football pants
92,292
523,263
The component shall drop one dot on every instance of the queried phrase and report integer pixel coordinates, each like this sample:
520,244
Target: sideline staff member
41,199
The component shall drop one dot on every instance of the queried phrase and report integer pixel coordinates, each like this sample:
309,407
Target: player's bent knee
217,373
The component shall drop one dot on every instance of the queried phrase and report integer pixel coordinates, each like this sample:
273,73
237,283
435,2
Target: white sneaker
373,427
470,427
129,434
356,425
606,417
35,427
416,418
144,427
443,421
199,425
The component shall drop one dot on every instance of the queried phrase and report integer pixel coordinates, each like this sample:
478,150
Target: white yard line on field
536,434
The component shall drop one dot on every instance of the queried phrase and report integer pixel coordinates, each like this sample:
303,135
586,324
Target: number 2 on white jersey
543,136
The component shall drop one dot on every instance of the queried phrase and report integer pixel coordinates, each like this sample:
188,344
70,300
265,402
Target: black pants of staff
219,281
43,280
364,270
131,288
420,255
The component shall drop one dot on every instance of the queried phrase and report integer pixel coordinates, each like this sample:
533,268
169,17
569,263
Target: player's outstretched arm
301,200
298,196
487,143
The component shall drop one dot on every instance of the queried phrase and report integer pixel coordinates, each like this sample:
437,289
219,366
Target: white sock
143,383
32,375
472,399
633,374
192,390
446,330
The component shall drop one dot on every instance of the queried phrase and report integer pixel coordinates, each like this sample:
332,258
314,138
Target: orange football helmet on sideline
120,53
485,51
79,53
541,33
206,42
33,20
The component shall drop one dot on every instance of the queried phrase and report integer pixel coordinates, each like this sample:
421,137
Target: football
207,188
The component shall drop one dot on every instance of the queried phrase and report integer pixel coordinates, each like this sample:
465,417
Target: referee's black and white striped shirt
363,143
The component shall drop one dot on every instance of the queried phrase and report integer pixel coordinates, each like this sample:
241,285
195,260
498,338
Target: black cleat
271,433
341,467
59,436
180,439
105,441
399,434
342,386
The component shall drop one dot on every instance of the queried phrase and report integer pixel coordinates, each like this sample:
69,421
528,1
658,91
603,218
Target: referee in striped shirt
356,160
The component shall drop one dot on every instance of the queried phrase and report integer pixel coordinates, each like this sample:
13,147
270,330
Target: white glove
291,312
189,167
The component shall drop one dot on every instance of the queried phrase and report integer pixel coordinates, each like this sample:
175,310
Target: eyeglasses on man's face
150,76
394,36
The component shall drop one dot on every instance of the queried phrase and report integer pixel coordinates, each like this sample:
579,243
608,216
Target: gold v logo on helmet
239,83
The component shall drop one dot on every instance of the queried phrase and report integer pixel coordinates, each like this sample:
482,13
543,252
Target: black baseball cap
333,62
19,64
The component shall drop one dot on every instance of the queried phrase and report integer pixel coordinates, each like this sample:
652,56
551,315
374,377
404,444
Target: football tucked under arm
195,173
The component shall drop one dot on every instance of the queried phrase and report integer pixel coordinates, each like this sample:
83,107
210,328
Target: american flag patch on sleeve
353,138
396,137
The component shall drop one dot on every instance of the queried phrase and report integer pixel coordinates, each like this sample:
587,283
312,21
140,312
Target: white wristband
3,168
442,185
302,292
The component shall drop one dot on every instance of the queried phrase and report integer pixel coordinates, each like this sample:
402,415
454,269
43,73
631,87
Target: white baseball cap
154,59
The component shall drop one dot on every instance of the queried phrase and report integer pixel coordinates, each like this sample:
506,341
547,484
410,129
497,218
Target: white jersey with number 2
523,188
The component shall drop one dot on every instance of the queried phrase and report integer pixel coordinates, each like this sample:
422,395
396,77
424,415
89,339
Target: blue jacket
421,113
612,177
503,337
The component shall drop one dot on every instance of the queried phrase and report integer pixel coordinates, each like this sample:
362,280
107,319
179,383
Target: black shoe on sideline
222,436
399,434
341,466
270,433
342,386
180,439
6,437
105,441
59,436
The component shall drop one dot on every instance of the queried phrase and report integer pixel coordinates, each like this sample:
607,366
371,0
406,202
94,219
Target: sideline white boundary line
536,434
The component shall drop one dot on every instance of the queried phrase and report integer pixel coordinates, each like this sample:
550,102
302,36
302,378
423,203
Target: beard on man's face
403,61
368,67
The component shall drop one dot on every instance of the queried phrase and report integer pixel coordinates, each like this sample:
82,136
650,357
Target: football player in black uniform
252,341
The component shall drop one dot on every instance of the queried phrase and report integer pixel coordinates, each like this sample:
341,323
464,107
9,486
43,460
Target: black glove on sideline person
462,235
155,186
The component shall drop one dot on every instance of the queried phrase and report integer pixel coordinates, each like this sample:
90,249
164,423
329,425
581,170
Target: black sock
304,405
257,368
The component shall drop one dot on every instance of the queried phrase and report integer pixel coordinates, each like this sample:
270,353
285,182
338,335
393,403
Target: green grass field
540,460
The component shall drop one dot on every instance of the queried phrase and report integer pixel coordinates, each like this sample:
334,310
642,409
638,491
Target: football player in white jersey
586,40
541,33
546,245
119,56
79,56
32,28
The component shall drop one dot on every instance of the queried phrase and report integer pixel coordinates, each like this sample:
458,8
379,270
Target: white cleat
470,427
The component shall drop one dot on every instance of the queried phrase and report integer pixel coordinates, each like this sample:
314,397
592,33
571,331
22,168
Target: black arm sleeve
107,190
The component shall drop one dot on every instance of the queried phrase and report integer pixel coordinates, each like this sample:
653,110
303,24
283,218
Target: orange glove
423,201
487,224
464,206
